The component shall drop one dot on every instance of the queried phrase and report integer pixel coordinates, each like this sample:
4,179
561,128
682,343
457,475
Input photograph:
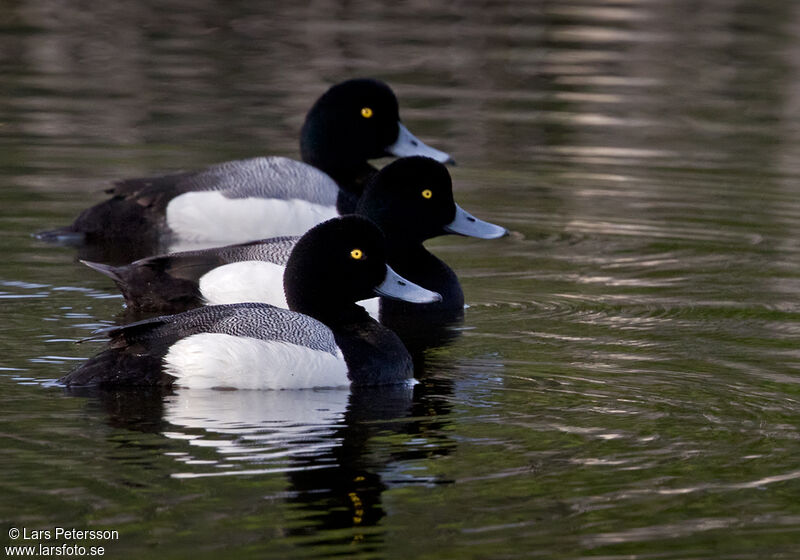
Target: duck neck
352,178
334,316
351,173
414,262
352,183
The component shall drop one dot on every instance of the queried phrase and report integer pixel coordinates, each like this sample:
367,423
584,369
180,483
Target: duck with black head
324,340
411,201
353,122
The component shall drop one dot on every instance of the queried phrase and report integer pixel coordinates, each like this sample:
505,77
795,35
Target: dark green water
627,382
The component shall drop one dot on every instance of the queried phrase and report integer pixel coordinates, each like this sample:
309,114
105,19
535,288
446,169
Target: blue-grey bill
408,145
397,287
467,224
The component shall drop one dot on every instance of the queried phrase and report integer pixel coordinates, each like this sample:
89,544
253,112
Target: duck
410,200
412,203
323,340
175,282
236,201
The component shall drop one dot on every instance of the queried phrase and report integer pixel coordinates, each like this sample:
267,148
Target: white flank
210,216
244,281
213,360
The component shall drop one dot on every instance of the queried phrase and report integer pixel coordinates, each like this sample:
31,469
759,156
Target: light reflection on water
626,380
254,427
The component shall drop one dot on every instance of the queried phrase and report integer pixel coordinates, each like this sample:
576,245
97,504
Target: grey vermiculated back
275,250
266,177
255,320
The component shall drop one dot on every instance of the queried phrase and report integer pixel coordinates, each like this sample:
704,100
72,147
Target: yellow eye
427,193
366,112
357,254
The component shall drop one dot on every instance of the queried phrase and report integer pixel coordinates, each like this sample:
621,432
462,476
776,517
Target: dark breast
374,354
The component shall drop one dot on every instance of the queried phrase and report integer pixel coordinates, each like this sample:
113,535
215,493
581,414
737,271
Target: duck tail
115,367
112,272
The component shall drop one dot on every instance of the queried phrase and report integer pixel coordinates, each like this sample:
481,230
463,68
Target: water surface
626,380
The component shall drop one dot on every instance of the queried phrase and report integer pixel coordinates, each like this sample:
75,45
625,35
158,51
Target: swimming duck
325,340
411,200
354,121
